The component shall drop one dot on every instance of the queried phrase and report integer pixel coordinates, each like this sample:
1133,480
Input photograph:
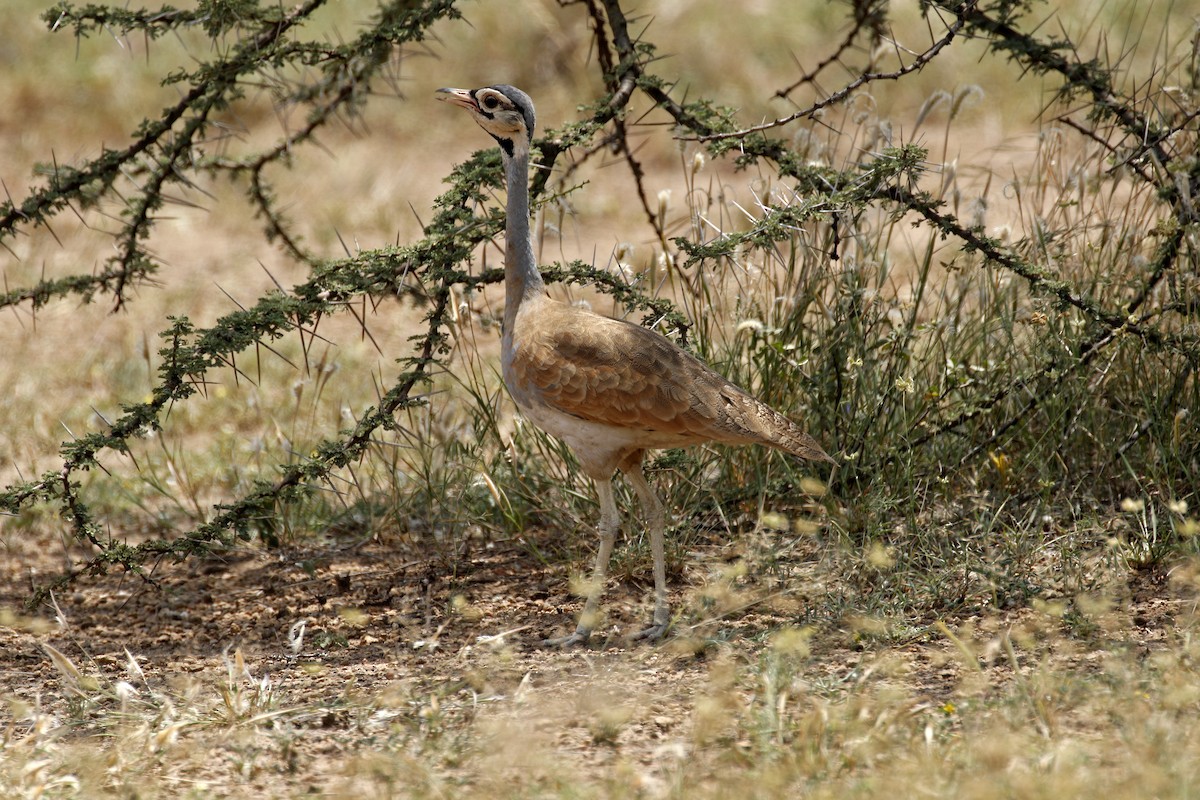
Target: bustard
608,388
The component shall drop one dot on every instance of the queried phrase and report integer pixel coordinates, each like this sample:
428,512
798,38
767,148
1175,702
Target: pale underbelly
599,444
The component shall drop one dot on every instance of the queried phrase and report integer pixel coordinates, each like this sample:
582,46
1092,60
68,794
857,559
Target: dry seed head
1093,605
296,636
1177,426
949,175
792,641
774,520
132,668
880,556
463,607
752,325
494,490
166,737
813,487
1132,505
803,526
933,101
880,132
354,616
963,97
870,625
977,212
11,619
624,271
664,204
125,692
63,664
582,586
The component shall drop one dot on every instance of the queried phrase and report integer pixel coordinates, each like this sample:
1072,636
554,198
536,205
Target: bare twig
862,80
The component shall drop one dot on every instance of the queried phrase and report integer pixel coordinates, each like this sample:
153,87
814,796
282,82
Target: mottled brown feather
614,372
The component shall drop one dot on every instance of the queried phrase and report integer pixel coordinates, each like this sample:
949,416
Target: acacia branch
862,80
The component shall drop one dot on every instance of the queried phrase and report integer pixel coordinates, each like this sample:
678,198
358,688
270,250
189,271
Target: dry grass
1060,700
887,646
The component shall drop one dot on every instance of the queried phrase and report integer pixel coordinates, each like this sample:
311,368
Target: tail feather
752,420
784,434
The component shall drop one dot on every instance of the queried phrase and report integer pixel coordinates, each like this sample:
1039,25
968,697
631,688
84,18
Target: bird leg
653,510
609,522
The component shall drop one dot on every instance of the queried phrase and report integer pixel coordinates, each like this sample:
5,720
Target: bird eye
490,102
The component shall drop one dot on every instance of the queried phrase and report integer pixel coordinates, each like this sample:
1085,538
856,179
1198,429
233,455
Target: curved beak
459,97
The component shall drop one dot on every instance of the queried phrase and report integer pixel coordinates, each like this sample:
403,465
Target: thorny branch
862,80
869,16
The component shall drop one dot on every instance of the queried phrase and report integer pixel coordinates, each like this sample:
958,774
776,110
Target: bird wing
606,370
614,372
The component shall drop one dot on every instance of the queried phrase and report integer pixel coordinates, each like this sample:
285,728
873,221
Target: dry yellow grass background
1019,705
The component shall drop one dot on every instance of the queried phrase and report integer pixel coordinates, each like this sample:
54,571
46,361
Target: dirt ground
402,653
418,638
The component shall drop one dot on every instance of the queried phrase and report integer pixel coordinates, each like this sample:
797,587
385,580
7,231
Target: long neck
521,277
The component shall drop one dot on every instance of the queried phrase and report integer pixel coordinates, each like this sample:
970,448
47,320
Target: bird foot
653,633
579,637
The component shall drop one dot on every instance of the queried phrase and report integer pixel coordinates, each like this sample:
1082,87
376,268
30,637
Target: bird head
503,111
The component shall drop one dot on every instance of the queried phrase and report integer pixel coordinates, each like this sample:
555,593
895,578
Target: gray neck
521,277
